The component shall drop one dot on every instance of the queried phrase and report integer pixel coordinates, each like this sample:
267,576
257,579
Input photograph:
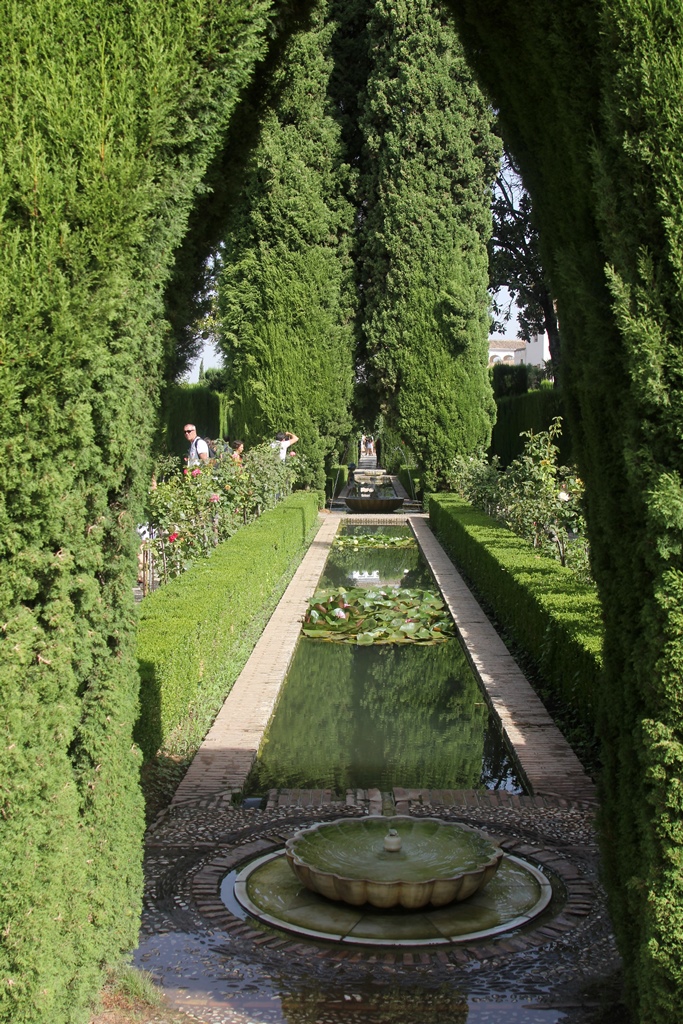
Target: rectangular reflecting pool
387,715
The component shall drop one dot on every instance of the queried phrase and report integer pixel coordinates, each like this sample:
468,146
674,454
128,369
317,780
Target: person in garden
199,449
282,442
237,450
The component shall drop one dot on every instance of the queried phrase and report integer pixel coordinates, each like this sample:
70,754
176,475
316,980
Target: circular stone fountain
505,892
389,862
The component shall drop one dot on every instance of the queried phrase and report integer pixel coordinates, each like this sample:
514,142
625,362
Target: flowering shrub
535,497
192,511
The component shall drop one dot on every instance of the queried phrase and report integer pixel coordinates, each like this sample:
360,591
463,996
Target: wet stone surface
223,969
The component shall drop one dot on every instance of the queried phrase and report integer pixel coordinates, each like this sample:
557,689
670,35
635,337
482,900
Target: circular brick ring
205,888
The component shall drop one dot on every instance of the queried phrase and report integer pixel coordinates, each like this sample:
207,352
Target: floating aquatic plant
372,540
390,615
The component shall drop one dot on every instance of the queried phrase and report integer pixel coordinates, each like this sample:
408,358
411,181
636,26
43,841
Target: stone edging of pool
548,763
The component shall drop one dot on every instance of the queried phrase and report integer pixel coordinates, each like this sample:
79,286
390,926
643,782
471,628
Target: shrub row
552,616
336,479
196,632
535,411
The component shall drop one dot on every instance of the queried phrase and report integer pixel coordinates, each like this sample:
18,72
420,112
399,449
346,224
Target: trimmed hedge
192,403
196,633
535,411
552,616
336,479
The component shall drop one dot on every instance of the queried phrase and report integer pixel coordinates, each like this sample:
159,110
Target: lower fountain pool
268,890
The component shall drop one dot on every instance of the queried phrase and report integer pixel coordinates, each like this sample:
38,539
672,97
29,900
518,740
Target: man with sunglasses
199,449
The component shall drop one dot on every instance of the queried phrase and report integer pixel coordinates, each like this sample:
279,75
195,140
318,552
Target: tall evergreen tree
285,289
428,163
589,99
110,114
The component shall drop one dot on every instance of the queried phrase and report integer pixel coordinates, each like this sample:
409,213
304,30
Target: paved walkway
549,764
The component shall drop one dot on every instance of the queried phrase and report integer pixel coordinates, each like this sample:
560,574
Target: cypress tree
110,115
428,162
589,99
285,289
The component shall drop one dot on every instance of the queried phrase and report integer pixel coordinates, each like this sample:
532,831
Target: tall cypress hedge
428,163
286,285
590,102
109,115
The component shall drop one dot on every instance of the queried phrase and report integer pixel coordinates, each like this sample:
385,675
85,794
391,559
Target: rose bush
190,512
535,497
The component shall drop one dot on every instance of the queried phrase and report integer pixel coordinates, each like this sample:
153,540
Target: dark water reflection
357,717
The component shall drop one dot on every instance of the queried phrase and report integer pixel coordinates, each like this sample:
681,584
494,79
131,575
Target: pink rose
215,497
196,472
173,536
185,472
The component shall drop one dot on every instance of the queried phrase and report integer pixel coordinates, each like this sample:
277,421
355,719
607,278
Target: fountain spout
392,841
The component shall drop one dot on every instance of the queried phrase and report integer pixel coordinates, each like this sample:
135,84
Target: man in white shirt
282,442
199,449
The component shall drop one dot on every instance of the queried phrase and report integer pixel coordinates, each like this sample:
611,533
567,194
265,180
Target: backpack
209,445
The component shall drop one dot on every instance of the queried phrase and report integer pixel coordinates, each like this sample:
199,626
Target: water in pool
387,715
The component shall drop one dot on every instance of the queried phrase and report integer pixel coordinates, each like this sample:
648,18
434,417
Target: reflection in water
381,1005
214,984
358,717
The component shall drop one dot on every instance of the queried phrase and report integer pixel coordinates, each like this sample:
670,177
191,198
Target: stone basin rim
439,890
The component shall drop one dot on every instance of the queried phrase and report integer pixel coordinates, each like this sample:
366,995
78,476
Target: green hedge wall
192,403
336,479
428,159
590,108
553,617
110,113
197,631
531,411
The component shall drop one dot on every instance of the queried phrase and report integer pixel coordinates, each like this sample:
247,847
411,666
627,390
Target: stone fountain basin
439,862
374,504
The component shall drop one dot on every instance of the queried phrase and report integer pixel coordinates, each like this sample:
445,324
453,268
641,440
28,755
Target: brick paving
548,763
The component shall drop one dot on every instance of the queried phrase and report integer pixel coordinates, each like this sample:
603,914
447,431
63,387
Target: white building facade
515,351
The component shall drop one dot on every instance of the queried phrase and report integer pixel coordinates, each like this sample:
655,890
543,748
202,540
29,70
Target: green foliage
509,380
591,110
193,511
390,615
515,261
196,633
355,542
552,616
534,411
285,294
429,158
541,500
109,116
191,403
